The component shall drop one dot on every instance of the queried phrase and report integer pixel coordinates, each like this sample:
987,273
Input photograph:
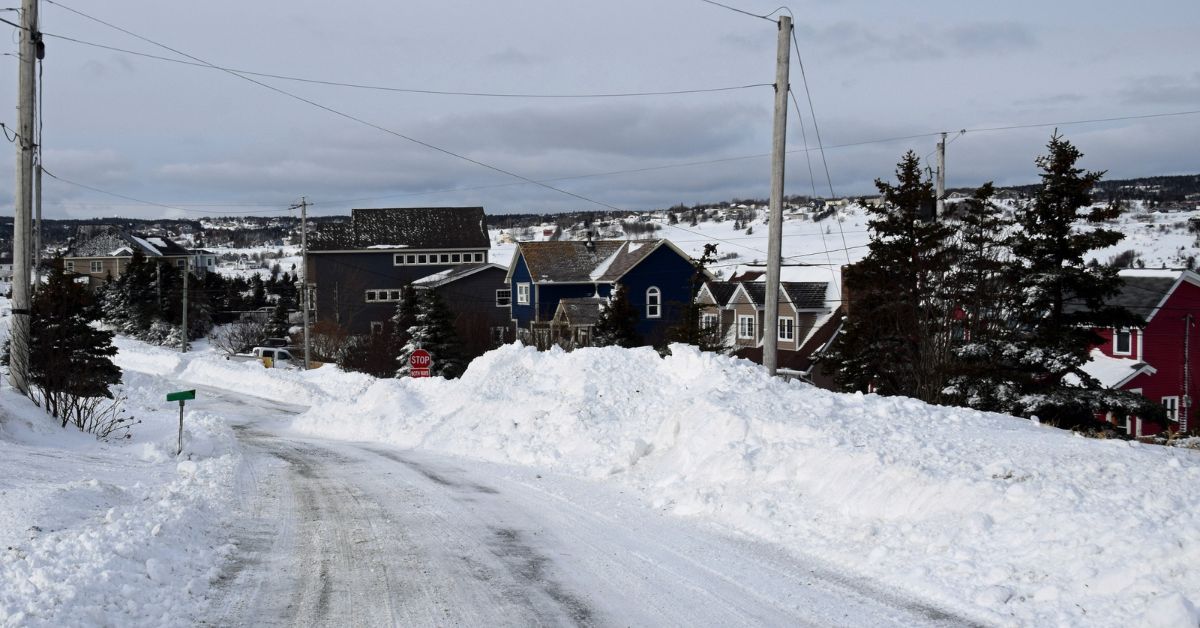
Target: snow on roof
1109,371
603,266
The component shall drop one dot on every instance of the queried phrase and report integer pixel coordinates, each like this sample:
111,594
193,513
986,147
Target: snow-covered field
999,517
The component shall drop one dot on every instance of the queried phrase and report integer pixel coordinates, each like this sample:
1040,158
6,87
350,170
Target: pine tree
617,325
897,337
1061,298
278,325
405,318
688,330
434,332
70,360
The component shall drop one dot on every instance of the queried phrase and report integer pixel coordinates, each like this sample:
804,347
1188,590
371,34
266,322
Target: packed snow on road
956,516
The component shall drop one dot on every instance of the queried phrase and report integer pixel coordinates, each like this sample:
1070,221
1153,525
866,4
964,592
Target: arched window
653,303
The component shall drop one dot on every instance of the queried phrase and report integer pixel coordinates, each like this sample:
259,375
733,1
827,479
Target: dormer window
1122,342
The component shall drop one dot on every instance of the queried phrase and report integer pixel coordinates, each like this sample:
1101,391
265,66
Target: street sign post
419,363
181,396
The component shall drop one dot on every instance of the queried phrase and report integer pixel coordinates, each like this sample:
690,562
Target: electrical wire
413,90
145,202
347,116
766,16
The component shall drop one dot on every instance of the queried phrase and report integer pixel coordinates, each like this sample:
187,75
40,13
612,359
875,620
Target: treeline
994,311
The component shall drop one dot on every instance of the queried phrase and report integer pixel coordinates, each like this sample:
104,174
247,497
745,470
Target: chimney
590,245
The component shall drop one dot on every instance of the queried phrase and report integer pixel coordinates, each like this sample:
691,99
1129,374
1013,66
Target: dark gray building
358,267
478,298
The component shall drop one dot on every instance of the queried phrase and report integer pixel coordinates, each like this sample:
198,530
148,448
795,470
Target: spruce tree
1061,297
617,325
688,330
896,339
405,318
70,360
434,332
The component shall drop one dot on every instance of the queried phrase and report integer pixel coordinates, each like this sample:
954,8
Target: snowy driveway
341,533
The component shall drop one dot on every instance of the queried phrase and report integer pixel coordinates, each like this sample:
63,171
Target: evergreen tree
1060,298
617,325
897,337
70,360
688,330
404,319
434,332
278,324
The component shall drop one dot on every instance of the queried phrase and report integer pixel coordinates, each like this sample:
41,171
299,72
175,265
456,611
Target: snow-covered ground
112,534
996,516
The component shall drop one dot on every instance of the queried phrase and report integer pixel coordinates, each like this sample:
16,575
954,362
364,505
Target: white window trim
96,266
1172,410
69,266
523,294
708,321
653,308
376,327
433,258
387,295
1115,349
740,335
790,328
507,297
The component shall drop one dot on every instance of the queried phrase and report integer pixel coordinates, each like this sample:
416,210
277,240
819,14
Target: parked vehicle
271,357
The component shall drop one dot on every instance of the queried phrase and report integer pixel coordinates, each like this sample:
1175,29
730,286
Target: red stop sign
419,362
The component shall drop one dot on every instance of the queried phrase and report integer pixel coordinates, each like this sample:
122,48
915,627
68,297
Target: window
523,294
708,321
371,296
455,258
583,337
69,266
746,327
393,295
479,257
210,261
787,328
1122,342
653,303
1171,405
97,267
420,259
376,328
382,296
445,258
503,298
410,259
179,263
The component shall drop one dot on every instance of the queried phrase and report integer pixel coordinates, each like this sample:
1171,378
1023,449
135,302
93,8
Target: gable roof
110,241
1144,293
580,311
720,291
574,261
806,295
404,228
452,275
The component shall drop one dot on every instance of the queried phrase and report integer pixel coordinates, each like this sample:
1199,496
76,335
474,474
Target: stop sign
419,362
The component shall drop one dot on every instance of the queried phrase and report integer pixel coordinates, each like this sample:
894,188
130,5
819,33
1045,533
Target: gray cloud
1163,90
918,43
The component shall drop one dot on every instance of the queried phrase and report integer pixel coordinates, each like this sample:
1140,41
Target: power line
145,202
412,90
765,16
346,115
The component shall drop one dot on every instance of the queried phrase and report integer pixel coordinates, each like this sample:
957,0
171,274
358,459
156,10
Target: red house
1160,358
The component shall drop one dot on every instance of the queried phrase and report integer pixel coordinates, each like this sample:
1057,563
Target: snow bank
998,517
112,534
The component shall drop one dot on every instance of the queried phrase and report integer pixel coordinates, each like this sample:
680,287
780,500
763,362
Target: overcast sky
206,141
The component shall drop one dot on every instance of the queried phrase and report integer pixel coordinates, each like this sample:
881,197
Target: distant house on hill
357,268
656,274
101,251
1158,359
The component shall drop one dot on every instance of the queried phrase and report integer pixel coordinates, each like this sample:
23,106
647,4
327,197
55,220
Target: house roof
110,241
721,291
580,311
452,275
803,295
1143,293
575,262
404,228
1110,371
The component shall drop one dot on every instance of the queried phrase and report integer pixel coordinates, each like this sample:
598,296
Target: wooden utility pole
941,178
37,221
304,296
775,227
183,337
23,197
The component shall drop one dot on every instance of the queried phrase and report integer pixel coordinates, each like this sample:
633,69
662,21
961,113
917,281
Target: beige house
102,251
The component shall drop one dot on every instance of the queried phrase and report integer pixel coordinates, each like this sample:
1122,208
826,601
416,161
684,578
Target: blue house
656,274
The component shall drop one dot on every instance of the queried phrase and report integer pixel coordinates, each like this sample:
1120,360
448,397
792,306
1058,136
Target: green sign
182,395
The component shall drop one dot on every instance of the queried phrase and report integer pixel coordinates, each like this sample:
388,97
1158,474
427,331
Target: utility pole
304,293
941,178
27,58
183,341
37,221
775,228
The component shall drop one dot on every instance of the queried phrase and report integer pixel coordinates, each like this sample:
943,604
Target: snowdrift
1002,518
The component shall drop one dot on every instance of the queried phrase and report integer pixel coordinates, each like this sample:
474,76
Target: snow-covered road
343,533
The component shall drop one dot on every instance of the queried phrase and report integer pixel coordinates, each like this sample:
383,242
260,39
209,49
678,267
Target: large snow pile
112,534
997,516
